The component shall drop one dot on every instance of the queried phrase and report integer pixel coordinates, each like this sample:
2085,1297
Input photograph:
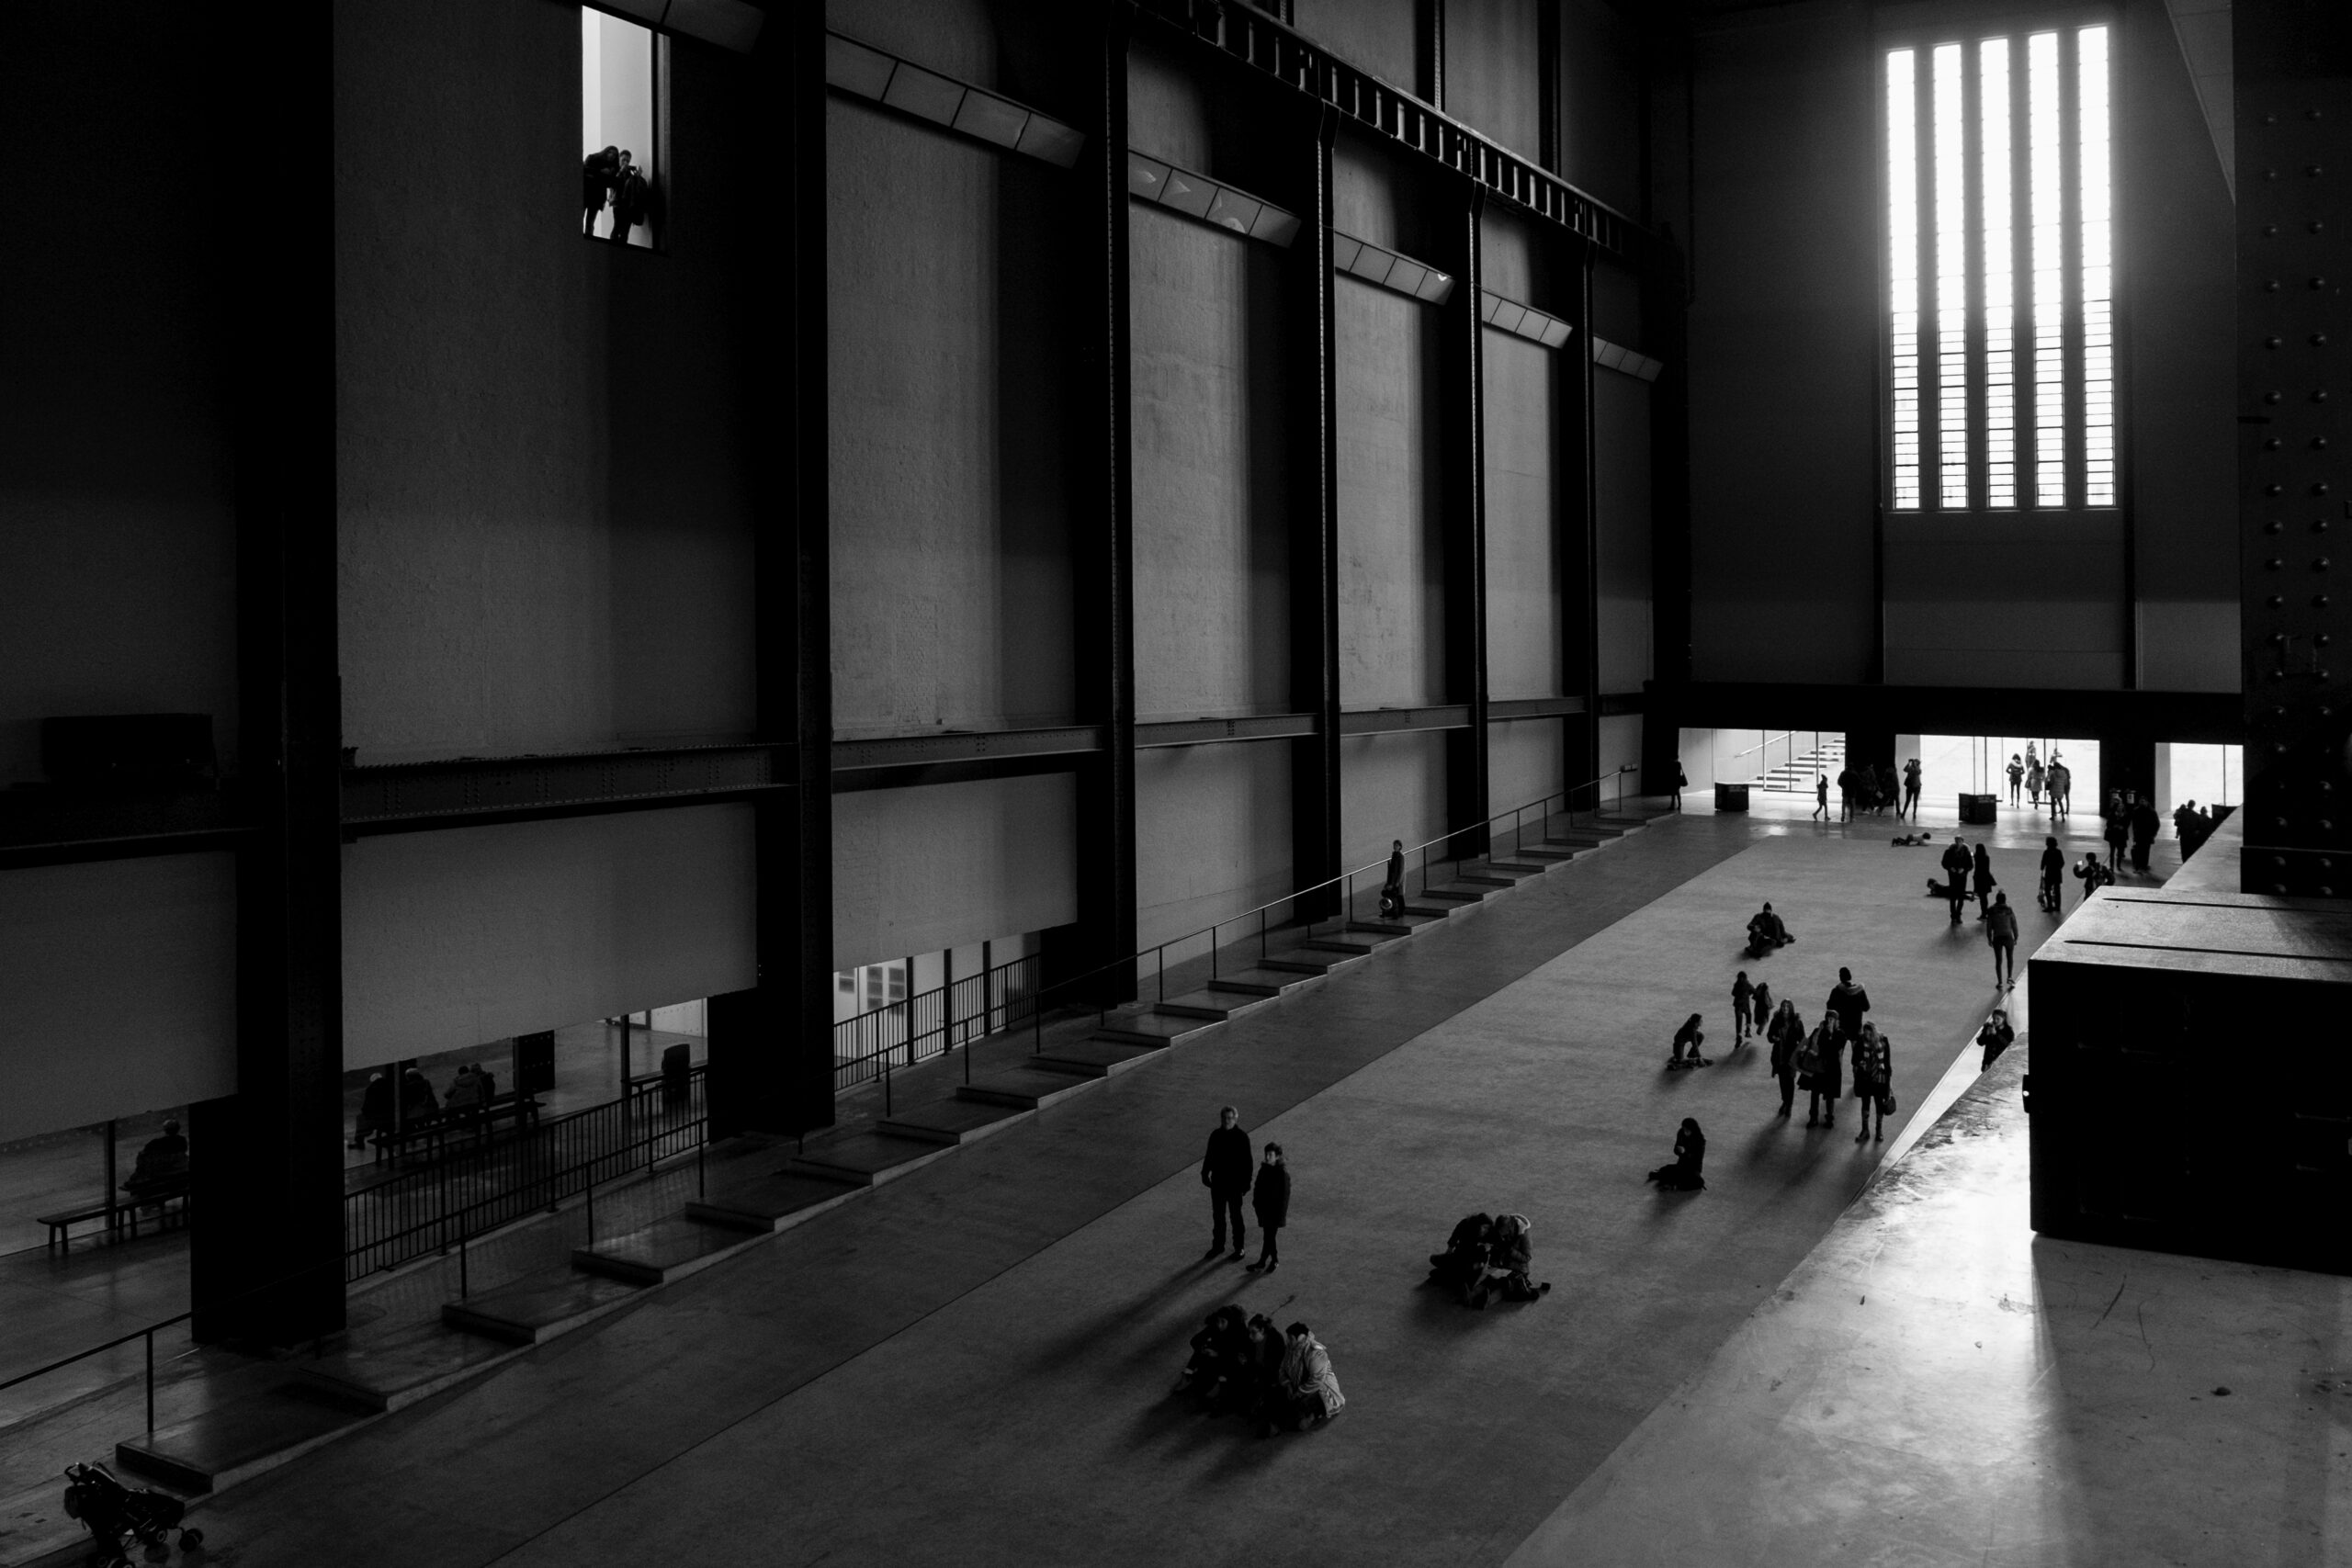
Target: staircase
1796,777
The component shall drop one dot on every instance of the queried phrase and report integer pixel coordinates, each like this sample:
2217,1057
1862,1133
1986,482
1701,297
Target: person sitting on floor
1690,1035
1307,1391
1687,1174
1766,932
1260,1381
1219,1356
1463,1265
1511,1259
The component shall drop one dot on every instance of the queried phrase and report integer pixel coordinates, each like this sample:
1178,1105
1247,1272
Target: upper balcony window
2000,274
620,119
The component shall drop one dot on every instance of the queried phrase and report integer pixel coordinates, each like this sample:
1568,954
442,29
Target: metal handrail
1791,735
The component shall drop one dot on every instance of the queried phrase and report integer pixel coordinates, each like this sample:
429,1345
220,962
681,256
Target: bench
522,1110
118,1212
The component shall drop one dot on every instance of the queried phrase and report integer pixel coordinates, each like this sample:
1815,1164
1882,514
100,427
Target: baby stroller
113,1512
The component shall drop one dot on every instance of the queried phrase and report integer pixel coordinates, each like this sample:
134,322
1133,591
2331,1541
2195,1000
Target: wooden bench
119,1214
479,1120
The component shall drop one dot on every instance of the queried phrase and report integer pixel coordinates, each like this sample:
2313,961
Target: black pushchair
116,1516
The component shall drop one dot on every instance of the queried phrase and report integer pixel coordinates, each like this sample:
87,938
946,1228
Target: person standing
1984,869
1741,993
2016,777
2095,875
1681,782
2053,872
2033,779
2145,826
1821,798
1849,1002
2061,788
597,172
2001,931
1846,795
1226,1172
1763,1007
1787,1035
1911,778
1823,1051
1995,1036
1957,864
1270,1199
632,199
1873,1079
2118,827
1392,887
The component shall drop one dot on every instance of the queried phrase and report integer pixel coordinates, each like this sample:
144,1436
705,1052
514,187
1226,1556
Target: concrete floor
971,1366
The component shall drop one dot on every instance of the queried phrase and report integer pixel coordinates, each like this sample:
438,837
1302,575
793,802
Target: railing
1303,922
874,1043
1791,735
501,1181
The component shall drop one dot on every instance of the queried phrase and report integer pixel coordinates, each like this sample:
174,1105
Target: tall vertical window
2001,354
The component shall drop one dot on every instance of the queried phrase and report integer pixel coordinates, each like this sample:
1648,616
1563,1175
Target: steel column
1462,517
1310,378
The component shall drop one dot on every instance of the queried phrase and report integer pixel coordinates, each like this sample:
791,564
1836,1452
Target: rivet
2271,397
2319,443
2319,394
2318,338
2272,489
2277,637
2274,563
2273,527
2313,114
2271,120
2271,285
2319,226
2320,489
2269,174
2319,282
2321,641
2319,600
2270,231
2272,341
2273,601
2314,170
2319,525
2319,565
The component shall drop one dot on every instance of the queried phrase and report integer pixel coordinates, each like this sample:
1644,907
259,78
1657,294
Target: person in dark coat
161,1170
374,1111
1849,1002
418,1102
1510,1263
1681,782
2095,875
2118,827
1957,864
1690,1036
1226,1172
632,199
1911,778
1742,994
1463,1265
1873,1079
2145,826
2053,872
1995,1037
1688,1173
1271,1198
1392,887
1220,1356
2001,931
2017,776
1983,870
1825,1080
597,172
1786,1032
1845,794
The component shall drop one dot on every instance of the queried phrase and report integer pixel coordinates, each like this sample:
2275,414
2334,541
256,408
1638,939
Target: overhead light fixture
1180,190
861,70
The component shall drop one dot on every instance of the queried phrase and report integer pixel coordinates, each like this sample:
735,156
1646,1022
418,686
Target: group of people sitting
1243,1365
1488,1256
471,1090
1864,787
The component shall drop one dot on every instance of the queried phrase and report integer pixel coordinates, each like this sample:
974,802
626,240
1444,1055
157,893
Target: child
1741,992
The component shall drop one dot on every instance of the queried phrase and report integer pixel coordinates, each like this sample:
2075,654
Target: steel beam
1258,40
38,831
469,791
1302,727
1397,721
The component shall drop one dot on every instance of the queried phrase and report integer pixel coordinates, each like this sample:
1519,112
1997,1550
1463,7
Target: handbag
1885,1103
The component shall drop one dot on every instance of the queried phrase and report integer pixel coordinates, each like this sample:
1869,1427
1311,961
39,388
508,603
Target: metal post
111,1189
465,1278
151,1382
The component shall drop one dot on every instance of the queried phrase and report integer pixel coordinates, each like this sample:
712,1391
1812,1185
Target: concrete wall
1212,835
1523,550
1621,430
1523,760
121,985
1392,588
917,870
457,938
118,545
1492,74
1784,353
544,535
1392,786
1373,35
1211,614
1601,104
958,37
951,596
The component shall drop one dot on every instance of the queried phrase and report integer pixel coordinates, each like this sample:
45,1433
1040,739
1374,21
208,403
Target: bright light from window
1952,283
2049,271
2099,271
2000,305
1903,251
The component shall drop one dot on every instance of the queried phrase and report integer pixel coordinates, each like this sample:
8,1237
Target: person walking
1849,1002
2053,872
1270,1199
1821,1068
2033,780
1873,1080
1741,993
2095,875
1911,778
1957,864
2145,826
1846,785
2001,931
1821,798
1681,782
1786,1032
1226,1172
1763,1007
2016,777
2061,788
1983,878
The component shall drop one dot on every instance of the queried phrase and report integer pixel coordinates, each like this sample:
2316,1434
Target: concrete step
1525,867
771,1203
1554,853
670,1248
1509,875
1405,924
1261,980
1465,891
951,1121
1096,1058
1029,1089
1145,1027
241,1437
538,1306
1354,946
1438,911
1305,961
1469,877
867,1159
385,1372
1205,1003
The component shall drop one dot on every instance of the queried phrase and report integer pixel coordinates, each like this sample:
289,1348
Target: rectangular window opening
2001,273
620,121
